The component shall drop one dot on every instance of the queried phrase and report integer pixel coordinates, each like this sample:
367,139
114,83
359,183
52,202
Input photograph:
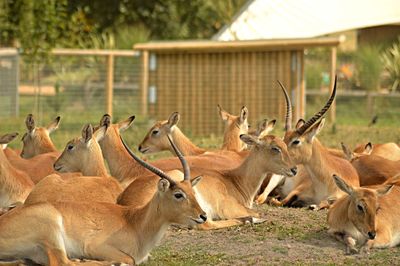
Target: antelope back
80,153
37,139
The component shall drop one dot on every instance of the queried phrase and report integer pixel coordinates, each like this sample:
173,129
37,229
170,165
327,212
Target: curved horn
186,169
318,115
151,168
288,118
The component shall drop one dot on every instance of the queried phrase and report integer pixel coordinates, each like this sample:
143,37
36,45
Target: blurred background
77,59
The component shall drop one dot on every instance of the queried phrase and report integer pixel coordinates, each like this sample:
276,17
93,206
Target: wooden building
193,77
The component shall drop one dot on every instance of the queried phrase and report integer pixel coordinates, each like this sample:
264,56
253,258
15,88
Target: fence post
110,84
332,79
145,82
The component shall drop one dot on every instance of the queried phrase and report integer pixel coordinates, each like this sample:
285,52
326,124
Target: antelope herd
67,208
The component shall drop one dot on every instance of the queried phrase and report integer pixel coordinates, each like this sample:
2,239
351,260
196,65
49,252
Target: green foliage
391,62
368,67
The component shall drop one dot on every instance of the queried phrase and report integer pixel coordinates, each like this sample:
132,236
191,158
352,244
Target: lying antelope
227,196
15,185
372,169
99,231
37,139
123,167
366,216
155,140
305,148
94,185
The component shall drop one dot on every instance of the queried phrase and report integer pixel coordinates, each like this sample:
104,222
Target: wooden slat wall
194,83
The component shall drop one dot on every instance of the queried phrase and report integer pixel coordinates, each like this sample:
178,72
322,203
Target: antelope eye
360,208
179,196
296,142
155,132
70,147
276,149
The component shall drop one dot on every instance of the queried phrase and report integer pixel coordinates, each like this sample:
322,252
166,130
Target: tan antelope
99,231
37,139
123,167
227,196
305,148
156,140
365,216
388,150
372,169
234,127
94,185
15,185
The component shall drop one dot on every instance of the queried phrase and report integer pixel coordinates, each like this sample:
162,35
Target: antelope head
113,131
363,205
264,127
233,121
271,153
37,139
179,204
300,140
156,139
352,156
81,152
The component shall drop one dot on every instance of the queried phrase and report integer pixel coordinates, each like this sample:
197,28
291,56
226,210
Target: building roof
286,19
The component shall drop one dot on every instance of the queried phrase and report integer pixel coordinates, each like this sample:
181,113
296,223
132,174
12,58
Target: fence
9,70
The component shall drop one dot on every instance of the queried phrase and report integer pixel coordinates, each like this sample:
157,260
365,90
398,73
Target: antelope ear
300,123
343,185
270,126
100,133
249,140
53,125
163,185
384,190
87,133
222,113
124,125
173,119
105,120
196,180
347,152
30,123
314,130
7,138
243,114
368,148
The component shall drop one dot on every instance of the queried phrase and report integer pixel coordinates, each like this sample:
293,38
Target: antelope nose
294,170
203,217
372,235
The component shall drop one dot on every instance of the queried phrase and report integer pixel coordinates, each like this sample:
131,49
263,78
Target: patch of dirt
289,236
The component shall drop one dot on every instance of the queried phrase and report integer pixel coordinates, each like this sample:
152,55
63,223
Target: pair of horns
312,120
159,172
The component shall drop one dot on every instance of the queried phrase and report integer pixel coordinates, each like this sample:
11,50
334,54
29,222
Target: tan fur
227,195
319,163
379,215
390,150
15,185
99,231
95,185
37,139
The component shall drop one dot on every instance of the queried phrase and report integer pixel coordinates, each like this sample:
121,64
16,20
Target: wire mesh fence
9,70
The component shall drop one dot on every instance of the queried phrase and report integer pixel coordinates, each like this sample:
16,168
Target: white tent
286,19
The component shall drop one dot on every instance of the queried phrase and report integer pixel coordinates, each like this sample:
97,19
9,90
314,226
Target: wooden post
332,79
110,84
145,82
302,86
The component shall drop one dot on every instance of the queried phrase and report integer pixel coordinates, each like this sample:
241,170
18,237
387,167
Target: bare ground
289,236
